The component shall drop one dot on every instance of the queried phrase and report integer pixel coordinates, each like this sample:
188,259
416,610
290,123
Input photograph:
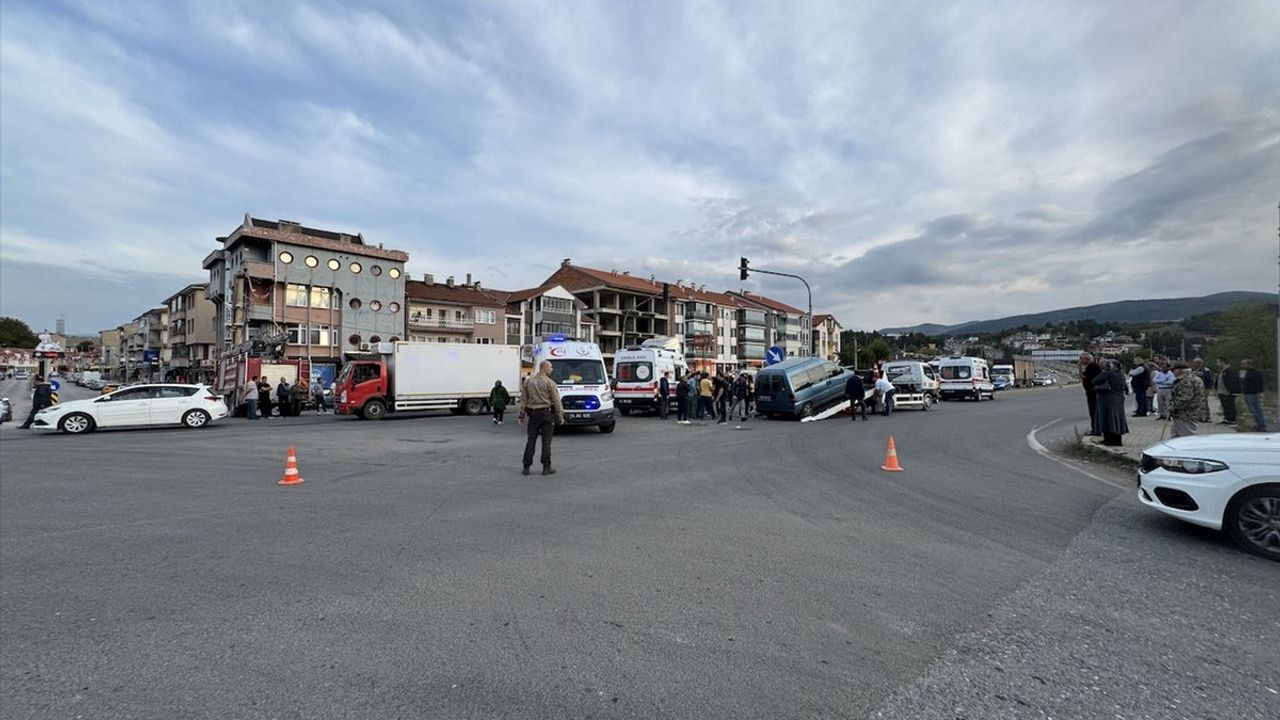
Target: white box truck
408,376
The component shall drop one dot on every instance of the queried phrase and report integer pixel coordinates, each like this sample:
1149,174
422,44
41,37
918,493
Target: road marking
1036,445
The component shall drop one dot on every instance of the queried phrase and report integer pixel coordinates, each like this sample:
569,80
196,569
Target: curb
1113,454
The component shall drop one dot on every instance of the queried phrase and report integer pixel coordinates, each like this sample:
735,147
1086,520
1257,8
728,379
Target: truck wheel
977,396
474,406
606,429
375,410
927,402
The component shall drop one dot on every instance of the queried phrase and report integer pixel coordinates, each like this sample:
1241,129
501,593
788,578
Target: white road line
1036,445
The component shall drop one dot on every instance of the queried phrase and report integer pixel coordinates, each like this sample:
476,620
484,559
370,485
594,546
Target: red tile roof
310,237
771,303
456,295
576,277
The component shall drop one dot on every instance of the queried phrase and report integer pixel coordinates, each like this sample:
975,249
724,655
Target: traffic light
742,268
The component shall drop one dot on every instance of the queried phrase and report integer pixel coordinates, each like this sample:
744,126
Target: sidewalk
1147,431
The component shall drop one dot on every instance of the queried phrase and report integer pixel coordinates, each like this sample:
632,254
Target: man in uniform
540,401
41,398
1187,405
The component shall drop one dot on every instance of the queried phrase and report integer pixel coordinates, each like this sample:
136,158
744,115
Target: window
321,297
356,268
633,372
394,307
486,317
956,372
375,306
311,261
295,295
321,335
365,372
557,305
285,257
355,303
175,391
141,393
375,270
394,273
459,315
484,341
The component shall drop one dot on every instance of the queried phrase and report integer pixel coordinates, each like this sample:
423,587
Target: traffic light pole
743,269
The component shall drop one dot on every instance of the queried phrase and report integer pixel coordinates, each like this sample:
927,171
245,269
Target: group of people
1175,391
702,395
288,399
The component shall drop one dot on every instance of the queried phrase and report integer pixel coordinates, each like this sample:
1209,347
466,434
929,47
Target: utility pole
743,271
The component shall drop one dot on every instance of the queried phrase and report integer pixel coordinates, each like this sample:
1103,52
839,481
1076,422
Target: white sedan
1226,481
193,406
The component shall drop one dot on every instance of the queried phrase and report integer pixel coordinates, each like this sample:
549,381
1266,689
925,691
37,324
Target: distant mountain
1124,311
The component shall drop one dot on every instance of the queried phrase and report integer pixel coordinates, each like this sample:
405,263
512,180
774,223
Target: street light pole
809,326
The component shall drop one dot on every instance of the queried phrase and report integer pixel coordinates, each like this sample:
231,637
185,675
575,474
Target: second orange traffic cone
891,459
291,476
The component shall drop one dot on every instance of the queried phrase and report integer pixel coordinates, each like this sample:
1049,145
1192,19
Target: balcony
751,351
752,317
691,314
257,269
418,322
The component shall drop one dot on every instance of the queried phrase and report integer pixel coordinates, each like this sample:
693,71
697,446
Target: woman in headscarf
1110,389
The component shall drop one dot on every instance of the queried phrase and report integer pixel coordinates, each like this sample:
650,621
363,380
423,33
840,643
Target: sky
916,162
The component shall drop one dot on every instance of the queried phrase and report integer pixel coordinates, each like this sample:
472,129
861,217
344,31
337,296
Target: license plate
765,398
578,416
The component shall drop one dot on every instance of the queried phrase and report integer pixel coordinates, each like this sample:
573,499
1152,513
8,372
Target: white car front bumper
1197,499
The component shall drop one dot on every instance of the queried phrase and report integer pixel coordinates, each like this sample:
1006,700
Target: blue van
799,386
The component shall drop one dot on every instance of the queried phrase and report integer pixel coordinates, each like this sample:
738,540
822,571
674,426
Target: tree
15,333
875,350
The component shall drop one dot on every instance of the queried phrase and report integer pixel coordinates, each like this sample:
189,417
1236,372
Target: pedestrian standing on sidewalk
1252,385
1164,388
706,391
1228,388
1089,371
297,394
41,398
498,399
264,396
1110,389
250,394
1187,406
317,395
682,402
664,395
1143,387
1206,378
540,402
282,397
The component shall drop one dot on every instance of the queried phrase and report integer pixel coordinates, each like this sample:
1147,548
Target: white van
638,370
578,368
915,384
964,376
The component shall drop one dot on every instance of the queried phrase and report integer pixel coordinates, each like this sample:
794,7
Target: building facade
826,337
192,336
449,312
549,309
284,290
627,309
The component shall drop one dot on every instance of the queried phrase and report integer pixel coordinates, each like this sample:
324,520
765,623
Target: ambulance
578,368
638,370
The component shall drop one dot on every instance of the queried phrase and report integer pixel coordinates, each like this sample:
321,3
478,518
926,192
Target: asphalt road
666,571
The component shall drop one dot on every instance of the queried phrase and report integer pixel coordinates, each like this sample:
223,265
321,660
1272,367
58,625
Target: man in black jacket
41,398
1228,387
1090,370
857,393
1251,386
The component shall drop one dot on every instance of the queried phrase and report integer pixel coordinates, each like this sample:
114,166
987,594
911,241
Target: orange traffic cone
291,476
891,459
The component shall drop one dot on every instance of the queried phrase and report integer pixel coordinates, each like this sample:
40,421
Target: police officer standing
540,401
41,398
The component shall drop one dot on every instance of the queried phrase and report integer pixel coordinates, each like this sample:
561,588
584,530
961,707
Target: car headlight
606,396
1190,466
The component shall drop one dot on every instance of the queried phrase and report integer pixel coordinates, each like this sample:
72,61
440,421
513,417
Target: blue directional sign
774,355
53,383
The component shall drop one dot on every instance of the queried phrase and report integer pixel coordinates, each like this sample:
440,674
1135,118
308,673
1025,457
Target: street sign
774,355
53,383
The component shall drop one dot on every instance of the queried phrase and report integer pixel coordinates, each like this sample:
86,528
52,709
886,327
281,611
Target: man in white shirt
886,391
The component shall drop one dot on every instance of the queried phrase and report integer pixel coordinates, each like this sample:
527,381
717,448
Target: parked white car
193,406
1225,481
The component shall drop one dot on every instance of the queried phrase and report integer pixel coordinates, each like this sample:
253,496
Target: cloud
915,166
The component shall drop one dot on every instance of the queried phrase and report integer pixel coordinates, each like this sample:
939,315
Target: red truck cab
363,389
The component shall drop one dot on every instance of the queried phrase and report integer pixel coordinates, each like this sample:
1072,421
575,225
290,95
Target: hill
1124,311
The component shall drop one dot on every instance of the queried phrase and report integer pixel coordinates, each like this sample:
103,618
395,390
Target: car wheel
927,402
1252,519
196,419
474,406
375,410
76,423
806,410
606,429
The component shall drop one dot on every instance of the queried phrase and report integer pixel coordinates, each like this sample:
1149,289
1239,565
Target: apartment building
285,290
144,345
109,349
627,309
192,337
826,337
449,312
785,325
708,323
548,309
